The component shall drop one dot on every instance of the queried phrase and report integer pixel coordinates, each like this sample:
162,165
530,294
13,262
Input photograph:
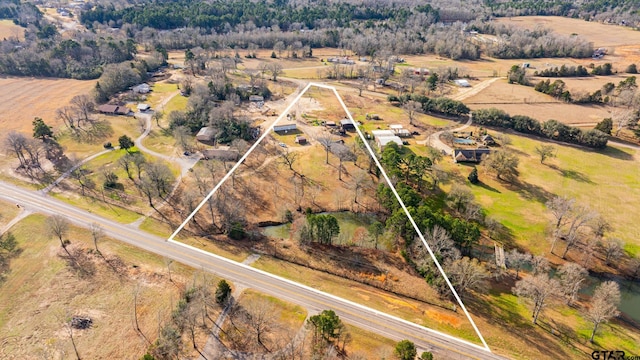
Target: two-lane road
358,315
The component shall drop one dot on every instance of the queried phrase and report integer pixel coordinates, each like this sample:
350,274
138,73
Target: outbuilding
347,124
206,134
144,107
286,127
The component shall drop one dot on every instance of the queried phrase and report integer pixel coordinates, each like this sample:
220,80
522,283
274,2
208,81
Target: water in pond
630,299
349,223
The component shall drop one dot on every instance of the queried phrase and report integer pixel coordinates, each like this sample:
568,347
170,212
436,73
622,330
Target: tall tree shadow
573,174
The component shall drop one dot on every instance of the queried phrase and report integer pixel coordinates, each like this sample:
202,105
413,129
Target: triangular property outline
384,174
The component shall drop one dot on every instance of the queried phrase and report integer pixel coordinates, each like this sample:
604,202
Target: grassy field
26,98
7,212
524,100
42,286
10,30
602,35
606,180
434,317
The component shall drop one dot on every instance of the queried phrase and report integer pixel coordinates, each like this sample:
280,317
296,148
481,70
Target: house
256,98
206,134
141,89
398,130
144,107
470,155
383,141
488,140
114,109
462,82
222,153
286,127
301,140
347,124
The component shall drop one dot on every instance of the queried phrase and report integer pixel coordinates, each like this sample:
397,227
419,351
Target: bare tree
572,277
613,250
275,69
604,305
539,265
440,243
411,108
560,207
325,139
538,289
97,233
16,142
83,106
58,226
289,158
344,154
467,274
581,216
517,260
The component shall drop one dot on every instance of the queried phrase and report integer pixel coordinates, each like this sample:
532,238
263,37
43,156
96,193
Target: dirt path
475,90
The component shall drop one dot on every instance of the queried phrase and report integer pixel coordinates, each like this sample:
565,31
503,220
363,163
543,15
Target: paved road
313,300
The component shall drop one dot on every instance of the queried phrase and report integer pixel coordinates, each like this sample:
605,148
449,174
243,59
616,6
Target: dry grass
524,100
41,292
7,212
10,30
26,98
602,35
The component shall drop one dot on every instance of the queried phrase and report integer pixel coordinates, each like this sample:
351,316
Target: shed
462,82
383,141
488,140
403,133
330,123
470,155
144,107
206,133
301,140
285,127
256,98
222,153
347,124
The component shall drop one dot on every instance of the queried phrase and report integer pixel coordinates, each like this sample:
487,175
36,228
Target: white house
383,141
382,133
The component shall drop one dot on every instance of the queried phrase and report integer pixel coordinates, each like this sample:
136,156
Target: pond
630,296
349,222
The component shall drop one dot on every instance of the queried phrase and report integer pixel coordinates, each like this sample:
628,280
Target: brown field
8,30
26,98
602,35
41,291
524,100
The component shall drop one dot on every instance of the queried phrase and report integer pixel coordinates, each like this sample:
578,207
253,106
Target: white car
282,144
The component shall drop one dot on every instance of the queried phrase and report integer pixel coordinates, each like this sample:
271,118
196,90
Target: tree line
550,129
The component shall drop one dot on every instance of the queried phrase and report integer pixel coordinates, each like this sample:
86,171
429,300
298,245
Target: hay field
25,98
602,35
524,100
8,29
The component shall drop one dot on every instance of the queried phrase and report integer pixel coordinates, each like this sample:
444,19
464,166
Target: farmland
26,98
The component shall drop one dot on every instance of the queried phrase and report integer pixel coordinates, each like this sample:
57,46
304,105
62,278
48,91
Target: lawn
606,180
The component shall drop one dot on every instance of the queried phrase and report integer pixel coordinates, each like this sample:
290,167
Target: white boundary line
393,189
